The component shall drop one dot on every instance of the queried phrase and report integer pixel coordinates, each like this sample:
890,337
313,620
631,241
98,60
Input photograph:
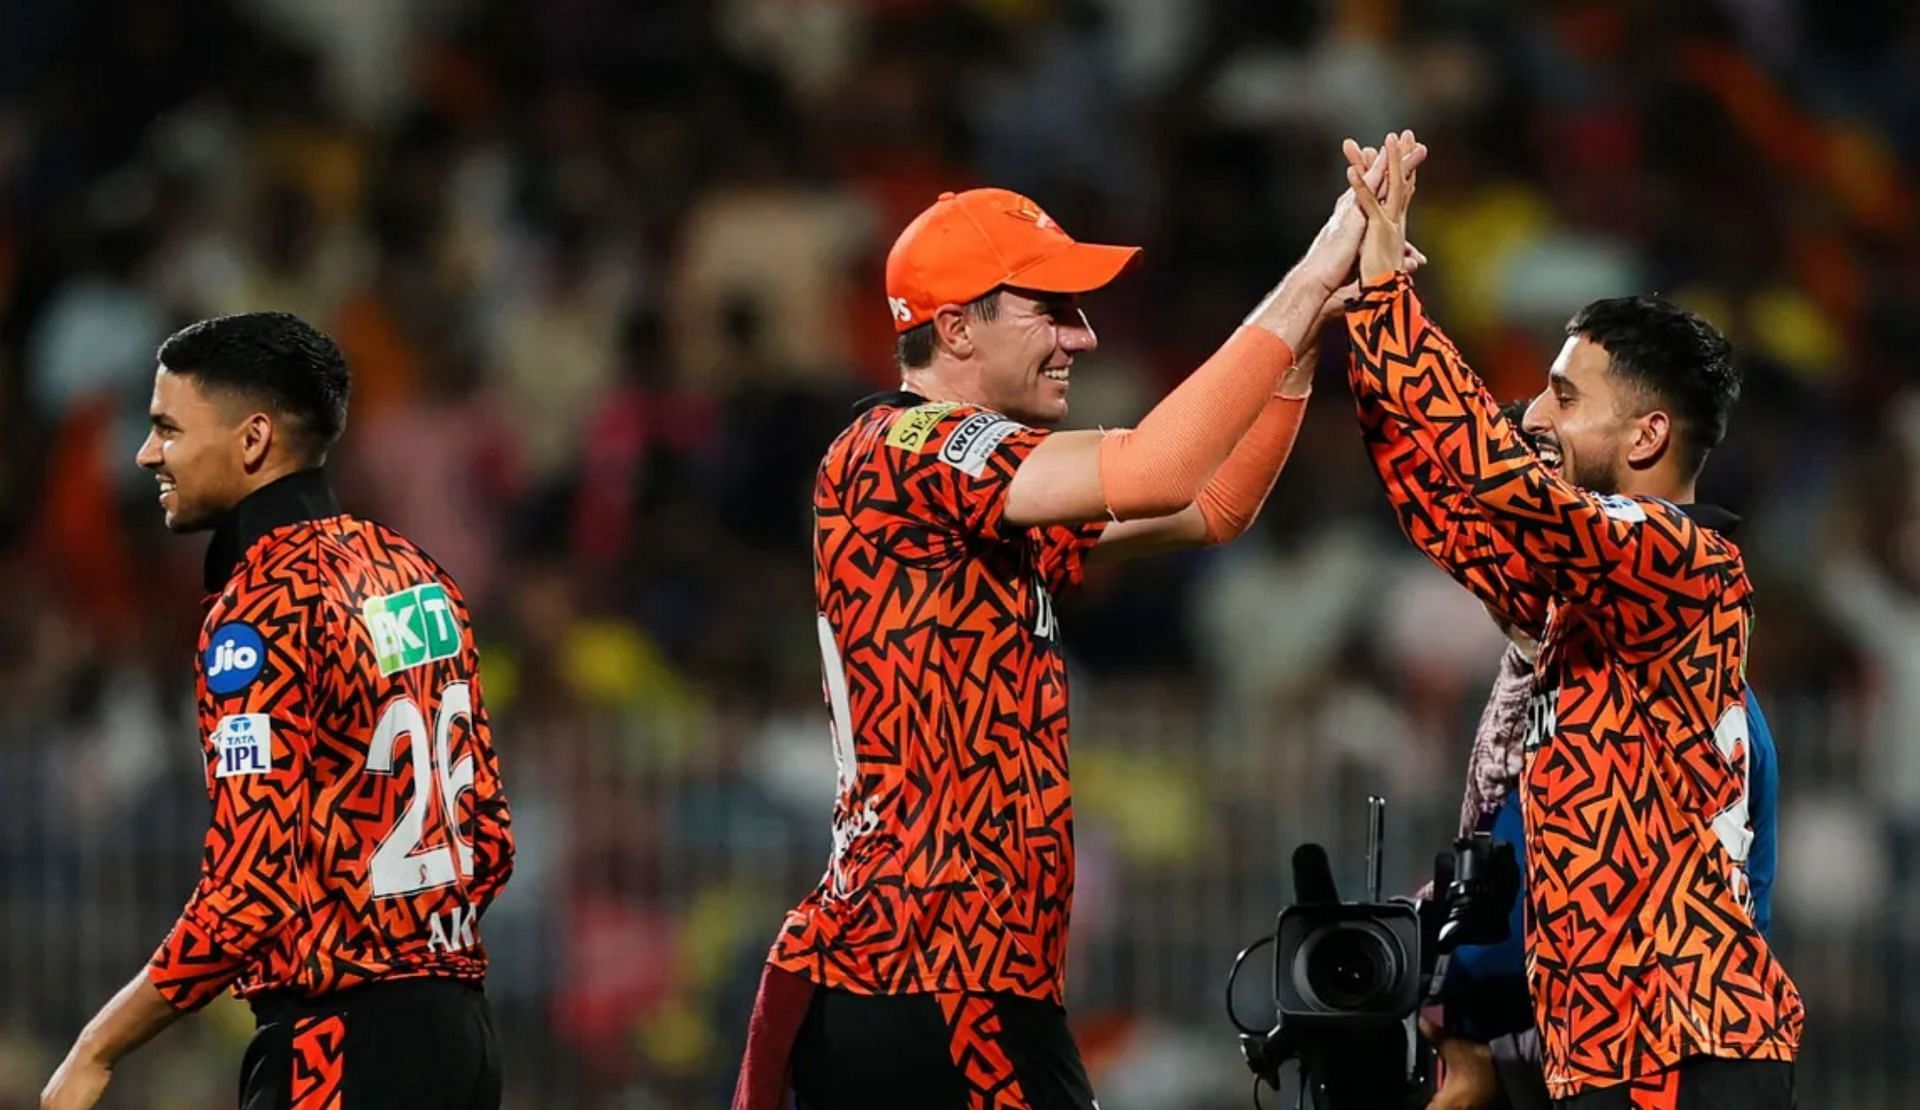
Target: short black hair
1673,355
276,358
914,348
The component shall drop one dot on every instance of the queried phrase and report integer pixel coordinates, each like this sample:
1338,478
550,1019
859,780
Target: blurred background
609,276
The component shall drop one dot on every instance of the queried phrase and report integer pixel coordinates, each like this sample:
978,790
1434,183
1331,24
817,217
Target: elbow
1135,485
1142,507
495,863
1221,526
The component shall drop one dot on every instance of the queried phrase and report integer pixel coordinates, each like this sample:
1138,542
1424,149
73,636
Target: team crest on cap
1031,213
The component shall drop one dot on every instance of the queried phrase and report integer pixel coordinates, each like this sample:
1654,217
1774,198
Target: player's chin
1049,403
1046,413
181,517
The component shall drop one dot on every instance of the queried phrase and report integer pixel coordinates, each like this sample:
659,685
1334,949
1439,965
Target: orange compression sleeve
1231,500
1161,466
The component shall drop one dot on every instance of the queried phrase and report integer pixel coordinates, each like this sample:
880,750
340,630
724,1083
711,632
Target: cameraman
1485,1034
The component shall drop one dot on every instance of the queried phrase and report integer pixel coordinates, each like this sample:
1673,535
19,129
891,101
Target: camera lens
1349,967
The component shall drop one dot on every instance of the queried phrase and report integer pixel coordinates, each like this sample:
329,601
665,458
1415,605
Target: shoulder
1667,518
962,436
280,571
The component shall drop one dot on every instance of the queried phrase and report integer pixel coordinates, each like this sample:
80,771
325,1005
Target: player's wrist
1297,383
1292,309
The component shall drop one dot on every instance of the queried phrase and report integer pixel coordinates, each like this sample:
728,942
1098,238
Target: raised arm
1639,567
1445,524
1161,468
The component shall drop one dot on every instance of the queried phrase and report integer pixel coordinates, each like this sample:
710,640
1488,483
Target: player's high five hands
1335,248
1373,172
1383,249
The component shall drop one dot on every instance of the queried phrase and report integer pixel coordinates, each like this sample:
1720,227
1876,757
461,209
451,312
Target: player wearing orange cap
927,968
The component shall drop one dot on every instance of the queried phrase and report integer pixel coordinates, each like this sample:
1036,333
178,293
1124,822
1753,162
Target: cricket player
359,830
927,968
1653,988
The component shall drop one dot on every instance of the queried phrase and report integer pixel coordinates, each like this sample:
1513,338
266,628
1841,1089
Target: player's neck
271,473
1661,484
943,380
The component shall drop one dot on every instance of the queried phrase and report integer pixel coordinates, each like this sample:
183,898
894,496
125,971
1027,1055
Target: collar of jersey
1711,516
897,398
302,495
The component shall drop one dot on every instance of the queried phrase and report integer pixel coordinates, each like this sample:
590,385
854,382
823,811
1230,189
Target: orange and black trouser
1698,1083
412,1043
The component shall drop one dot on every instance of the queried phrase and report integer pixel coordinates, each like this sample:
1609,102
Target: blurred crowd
608,276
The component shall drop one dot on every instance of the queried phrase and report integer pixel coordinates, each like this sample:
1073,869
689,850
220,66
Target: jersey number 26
399,865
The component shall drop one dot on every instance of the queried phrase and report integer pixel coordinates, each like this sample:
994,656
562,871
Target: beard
1598,477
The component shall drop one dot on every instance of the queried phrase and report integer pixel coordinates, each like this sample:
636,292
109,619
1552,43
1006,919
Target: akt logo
234,657
243,745
412,627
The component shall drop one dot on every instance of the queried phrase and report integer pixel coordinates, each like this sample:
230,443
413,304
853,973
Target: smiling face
1586,423
1025,354
197,449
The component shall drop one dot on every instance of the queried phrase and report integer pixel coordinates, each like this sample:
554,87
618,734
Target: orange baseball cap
967,243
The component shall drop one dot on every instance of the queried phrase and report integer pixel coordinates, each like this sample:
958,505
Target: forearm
1294,311
1444,524
1232,498
1161,466
1409,371
130,1019
492,856
203,954
224,924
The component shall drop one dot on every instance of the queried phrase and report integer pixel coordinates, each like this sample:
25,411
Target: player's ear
257,435
1652,438
952,329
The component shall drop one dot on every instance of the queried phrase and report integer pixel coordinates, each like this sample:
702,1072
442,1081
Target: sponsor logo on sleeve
234,657
1621,507
243,744
911,429
970,445
412,627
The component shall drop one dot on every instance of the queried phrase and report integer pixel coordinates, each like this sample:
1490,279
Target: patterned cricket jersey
1641,944
359,829
952,858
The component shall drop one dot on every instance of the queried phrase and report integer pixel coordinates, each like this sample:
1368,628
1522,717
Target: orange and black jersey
1641,945
359,829
952,864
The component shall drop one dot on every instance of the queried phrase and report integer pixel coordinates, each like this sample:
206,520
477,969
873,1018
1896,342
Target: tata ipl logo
244,745
412,627
234,656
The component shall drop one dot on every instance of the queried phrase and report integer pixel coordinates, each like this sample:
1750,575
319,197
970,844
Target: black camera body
1349,977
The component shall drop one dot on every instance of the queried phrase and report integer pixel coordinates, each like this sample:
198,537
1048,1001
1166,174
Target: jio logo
234,655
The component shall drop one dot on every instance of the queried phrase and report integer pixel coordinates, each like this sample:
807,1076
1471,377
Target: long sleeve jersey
1642,949
359,829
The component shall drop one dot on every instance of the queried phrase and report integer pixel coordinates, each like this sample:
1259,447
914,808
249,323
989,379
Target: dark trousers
1698,1083
415,1044
936,1052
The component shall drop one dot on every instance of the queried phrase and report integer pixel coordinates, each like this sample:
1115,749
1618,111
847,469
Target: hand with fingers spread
1383,248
